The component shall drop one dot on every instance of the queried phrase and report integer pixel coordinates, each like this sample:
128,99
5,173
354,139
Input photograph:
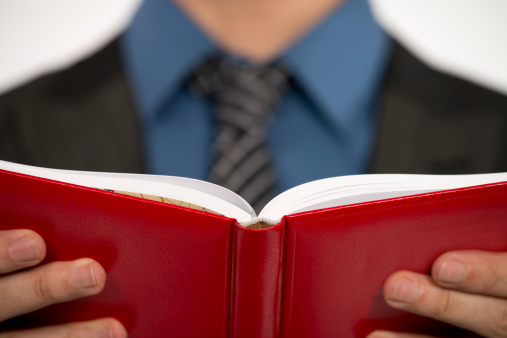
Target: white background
467,38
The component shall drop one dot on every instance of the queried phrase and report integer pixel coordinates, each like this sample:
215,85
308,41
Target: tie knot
218,76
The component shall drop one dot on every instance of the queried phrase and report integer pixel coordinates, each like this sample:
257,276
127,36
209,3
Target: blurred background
467,38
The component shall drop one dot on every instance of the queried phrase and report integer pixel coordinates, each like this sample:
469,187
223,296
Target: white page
346,190
325,193
189,190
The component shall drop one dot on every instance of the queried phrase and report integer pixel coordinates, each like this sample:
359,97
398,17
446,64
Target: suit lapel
81,118
437,124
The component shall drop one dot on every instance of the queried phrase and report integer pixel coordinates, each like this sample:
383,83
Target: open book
207,270
201,195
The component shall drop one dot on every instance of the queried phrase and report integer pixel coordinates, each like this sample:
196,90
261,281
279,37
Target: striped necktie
244,98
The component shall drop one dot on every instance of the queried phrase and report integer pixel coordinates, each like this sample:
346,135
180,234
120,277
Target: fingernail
24,250
405,291
111,330
83,276
451,272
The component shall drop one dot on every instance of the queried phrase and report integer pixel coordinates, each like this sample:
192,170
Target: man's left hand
467,289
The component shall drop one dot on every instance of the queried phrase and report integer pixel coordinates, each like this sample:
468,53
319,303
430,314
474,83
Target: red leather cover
184,273
257,273
337,259
168,270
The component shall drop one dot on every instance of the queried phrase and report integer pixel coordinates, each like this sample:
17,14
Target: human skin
257,30
31,289
466,288
260,30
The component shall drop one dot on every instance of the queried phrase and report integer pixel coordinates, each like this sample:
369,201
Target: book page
164,200
205,196
193,192
337,191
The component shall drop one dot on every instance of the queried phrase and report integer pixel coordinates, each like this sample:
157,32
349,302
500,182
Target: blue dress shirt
324,126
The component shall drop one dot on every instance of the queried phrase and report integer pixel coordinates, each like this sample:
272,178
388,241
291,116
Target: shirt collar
344,54
340,62
160,49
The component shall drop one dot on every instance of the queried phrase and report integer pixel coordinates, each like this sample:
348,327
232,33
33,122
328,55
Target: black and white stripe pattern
244,98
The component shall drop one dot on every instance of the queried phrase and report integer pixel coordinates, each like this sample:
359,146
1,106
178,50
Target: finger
419,294
473,271
20,249
56,282
107,327
388,334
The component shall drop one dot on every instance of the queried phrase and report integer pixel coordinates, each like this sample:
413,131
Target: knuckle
70,333
500,327
494,281
42,288
447,306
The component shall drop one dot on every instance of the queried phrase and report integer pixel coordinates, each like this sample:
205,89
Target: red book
181,272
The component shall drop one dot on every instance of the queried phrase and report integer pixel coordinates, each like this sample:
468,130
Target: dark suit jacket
83,118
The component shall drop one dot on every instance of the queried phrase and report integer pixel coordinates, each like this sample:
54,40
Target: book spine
257,271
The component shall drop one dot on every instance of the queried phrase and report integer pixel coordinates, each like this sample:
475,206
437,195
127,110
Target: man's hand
57,282
466,288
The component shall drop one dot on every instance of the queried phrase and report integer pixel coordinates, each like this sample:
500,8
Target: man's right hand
31,289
